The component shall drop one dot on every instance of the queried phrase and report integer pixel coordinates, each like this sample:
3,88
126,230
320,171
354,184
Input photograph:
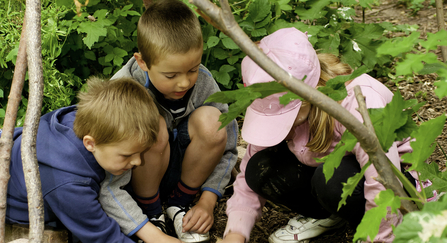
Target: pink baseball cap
267,122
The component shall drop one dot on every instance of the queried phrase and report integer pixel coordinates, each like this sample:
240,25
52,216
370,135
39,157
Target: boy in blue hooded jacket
114,123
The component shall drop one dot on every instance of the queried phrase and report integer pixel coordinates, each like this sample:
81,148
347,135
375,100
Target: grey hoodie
114,198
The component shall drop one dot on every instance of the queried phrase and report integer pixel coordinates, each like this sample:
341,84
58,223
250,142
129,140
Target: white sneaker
159,222
176,214
301,229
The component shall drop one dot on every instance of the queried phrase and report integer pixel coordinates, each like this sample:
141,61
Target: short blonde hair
167,27
321,125
116,110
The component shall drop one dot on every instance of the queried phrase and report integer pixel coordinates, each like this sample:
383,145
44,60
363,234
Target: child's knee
162,138
204,124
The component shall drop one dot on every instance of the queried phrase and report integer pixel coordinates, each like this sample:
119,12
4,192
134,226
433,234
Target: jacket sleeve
221,175
244,207
77,207
119,205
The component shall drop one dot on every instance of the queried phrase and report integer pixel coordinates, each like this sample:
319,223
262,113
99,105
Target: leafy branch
223,17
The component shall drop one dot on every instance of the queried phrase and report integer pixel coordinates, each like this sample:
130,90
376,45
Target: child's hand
200,218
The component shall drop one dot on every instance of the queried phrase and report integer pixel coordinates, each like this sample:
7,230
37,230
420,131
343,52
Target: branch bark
33,112
225,20
441,25
6,139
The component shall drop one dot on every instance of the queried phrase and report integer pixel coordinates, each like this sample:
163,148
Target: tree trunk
441,25
225,20
6,141
33,112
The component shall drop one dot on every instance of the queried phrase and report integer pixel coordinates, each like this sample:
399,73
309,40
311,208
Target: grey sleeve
119,205
221,175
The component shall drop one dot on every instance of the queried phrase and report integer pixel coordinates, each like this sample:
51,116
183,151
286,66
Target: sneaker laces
159,223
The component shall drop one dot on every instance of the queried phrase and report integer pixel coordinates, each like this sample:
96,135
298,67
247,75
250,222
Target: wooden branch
379,161
225,19
6,142
441,25
33,112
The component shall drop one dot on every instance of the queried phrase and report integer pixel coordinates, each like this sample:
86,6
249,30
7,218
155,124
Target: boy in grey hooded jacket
191,153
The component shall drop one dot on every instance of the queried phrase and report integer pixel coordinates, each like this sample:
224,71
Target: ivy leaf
332,160
399,45
373,217
424,145
351,184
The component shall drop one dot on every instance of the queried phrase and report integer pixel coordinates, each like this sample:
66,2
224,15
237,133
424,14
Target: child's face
174,74
116,158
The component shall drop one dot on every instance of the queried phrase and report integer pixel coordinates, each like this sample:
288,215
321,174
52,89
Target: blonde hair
116,110
167,27
321,125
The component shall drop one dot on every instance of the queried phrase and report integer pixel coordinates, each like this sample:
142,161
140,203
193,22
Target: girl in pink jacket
283,141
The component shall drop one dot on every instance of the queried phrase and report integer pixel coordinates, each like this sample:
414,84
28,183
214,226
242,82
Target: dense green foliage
100,37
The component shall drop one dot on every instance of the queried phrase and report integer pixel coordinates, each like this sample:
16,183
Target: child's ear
140,61
89,143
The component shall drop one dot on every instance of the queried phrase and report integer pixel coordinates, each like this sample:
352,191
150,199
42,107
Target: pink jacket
244,207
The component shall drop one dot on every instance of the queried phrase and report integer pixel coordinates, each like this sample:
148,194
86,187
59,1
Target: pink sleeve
244,207
372,187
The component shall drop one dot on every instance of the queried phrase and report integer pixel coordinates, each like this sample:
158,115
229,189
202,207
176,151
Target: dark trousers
276,174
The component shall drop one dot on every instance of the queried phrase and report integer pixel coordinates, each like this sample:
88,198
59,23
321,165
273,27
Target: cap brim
266,131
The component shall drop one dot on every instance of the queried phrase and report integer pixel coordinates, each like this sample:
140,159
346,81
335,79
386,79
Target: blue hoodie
70,179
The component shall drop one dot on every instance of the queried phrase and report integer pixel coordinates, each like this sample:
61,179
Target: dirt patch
420,88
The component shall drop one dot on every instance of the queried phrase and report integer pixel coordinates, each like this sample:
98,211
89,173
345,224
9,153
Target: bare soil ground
421,88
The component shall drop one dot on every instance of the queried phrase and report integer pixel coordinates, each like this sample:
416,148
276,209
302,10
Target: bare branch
33,112
368,141
441,25
379,160
6,141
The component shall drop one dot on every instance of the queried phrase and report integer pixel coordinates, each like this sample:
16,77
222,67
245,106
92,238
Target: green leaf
226,68
393,119
423,146
435,40
109,57
259,32
258,10
232,60
220,53
229,43
119,52
427,225
2,113
316,10
67,3
90,55
351,184
441,90
117,61
93,31
414,63
330,44
399,45
437,178
212,41
432,68
335,88
107,70
373,217
332,160
221,77
1,93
